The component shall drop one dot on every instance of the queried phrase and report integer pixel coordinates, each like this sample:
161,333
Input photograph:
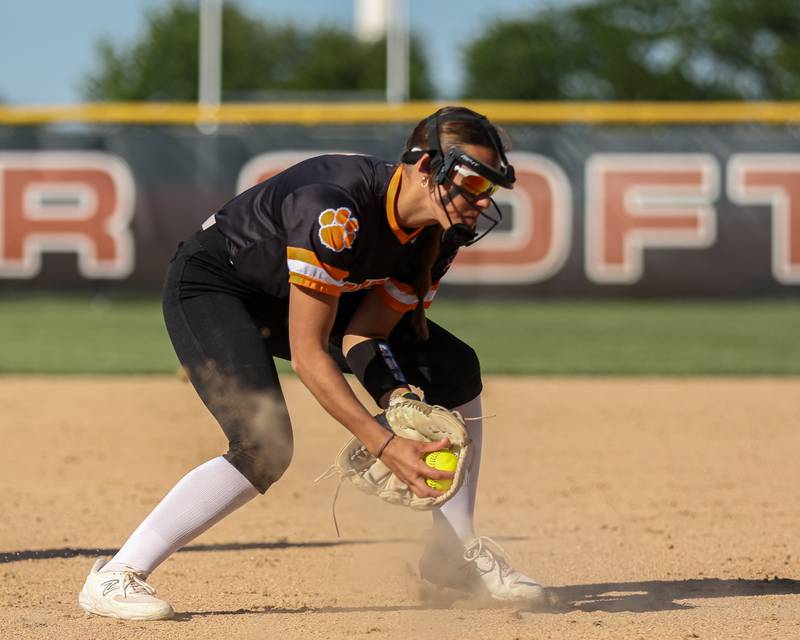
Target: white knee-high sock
201,498
457,515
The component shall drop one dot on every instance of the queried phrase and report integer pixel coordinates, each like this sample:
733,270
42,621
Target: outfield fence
612,200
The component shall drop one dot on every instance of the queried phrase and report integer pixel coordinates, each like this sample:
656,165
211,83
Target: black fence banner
611,200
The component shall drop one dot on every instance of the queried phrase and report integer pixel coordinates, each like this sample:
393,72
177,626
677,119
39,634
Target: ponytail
428,241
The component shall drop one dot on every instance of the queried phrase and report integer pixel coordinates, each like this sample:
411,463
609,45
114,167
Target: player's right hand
406,460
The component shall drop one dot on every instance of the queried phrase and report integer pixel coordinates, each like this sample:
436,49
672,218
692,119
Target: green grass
82,335
631,337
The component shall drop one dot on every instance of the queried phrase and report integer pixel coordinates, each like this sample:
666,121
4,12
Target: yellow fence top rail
308,114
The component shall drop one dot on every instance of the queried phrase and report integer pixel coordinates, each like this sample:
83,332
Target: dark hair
455,125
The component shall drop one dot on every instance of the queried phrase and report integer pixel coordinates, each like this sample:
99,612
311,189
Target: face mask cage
448,189
488,218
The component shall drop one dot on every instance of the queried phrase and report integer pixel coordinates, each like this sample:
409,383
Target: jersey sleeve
322,229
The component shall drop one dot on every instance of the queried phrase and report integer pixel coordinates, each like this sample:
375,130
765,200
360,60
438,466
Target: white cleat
484,571
121,594
501,581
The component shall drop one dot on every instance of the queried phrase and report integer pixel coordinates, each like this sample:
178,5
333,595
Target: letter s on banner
65,201
265,165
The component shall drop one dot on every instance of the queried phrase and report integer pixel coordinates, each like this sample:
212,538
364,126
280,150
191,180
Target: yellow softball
443,460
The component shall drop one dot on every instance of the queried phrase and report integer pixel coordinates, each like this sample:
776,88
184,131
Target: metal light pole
210,55
397,52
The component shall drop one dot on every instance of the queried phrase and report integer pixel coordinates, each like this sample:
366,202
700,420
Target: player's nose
483,202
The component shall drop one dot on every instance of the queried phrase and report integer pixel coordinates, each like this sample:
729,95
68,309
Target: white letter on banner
538,242
65,201
772,179
634,201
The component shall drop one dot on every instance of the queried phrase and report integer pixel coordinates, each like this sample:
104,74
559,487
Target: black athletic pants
226,333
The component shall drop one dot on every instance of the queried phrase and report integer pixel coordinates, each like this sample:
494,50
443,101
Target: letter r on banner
635,201
80,202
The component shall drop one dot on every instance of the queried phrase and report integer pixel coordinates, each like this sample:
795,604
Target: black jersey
330,224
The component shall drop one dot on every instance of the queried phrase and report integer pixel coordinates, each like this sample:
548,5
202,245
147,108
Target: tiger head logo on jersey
338,228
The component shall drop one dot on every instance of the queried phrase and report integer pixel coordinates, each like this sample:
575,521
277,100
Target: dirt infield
653,509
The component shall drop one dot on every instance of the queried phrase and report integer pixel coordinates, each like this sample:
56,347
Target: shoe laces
135,584
495,556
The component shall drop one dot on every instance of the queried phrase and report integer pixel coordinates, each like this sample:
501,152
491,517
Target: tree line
596,50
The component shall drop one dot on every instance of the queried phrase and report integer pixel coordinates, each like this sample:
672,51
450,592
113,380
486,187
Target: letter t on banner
636,201
772,179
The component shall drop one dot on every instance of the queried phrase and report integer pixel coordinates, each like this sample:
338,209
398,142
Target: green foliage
79,335
642,50
256,56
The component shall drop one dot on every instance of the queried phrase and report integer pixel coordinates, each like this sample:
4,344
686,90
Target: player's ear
424,164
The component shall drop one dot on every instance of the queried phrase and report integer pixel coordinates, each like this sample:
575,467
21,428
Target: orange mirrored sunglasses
475,184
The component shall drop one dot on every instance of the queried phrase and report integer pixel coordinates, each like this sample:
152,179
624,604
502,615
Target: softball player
329,264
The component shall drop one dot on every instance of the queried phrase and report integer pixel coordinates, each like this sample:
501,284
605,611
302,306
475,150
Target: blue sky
47,46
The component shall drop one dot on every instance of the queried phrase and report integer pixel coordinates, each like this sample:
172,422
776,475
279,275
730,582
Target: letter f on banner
635,201
78,202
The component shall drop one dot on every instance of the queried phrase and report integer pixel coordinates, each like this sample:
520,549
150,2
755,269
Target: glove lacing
330,473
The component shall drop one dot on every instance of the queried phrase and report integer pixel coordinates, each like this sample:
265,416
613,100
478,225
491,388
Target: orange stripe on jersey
394,303
391,208
316,285
404,296
305,255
